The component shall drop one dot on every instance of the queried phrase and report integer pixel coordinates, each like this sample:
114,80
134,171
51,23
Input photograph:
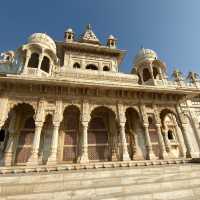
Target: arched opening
24,128
45,65
92,67
134,135
155,73
146,74
106,68
102,135
2,135
33,61
70,134
76,66
172,134
45,139
69,37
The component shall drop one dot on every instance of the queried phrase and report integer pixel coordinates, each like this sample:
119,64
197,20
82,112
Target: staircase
175,181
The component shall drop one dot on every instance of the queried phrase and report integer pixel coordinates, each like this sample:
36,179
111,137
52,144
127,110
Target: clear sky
170,27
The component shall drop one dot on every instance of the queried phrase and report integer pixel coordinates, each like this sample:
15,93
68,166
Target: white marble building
67,102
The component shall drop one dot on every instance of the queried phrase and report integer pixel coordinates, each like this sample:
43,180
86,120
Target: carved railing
98,76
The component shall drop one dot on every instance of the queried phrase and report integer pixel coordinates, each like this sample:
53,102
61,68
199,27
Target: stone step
97,190
7,189
81,175
187,193
101,178
182,194
102,183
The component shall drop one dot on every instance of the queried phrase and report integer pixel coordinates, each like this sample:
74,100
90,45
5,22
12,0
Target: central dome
44,39
145,54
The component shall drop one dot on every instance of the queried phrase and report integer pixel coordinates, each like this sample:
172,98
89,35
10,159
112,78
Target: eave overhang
183,92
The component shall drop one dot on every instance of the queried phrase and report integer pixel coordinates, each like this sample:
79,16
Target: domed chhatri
69,30
145,54
44,39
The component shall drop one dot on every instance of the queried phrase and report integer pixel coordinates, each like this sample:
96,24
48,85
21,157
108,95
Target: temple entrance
70,129
101,130
26,126
134,136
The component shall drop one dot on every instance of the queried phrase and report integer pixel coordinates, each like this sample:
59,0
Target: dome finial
89,27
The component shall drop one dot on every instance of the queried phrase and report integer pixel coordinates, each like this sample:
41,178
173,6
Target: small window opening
92,67
150,120
170,135
69,37
76,65
34,61
106,68
45,65
146,75
2,135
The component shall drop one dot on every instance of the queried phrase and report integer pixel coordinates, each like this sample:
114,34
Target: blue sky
171,28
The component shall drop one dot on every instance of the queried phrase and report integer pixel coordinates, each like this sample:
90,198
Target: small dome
145,54
69,30
111,37
43,39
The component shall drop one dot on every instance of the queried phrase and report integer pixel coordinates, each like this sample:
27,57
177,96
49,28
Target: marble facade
67,102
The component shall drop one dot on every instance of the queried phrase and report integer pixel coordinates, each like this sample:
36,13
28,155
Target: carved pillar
84,144
194,121
181,142
4,110
161,75
33,160
141,77
40,62
8,154
28,56
83,157
163,153
125,154
122,120
190,152
54,144
57,118
151,72
150,154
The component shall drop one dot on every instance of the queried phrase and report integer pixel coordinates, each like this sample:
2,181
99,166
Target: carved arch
110,107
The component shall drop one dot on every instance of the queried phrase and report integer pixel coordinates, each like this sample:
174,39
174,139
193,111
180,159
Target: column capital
85,123
158,125
28,53
122,124
146,125
56,123
39,123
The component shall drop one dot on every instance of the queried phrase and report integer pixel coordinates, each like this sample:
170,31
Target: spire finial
88,27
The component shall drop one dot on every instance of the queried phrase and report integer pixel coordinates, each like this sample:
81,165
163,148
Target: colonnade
164,144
